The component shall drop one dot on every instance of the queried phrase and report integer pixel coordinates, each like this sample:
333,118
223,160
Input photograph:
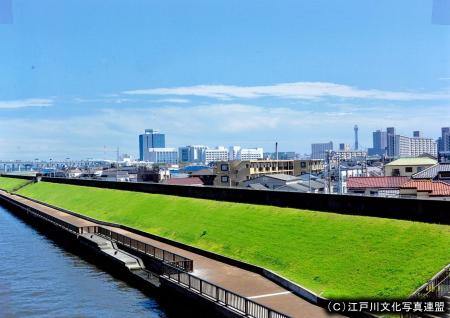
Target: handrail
167,257
47,217
175,268
436,287
218,294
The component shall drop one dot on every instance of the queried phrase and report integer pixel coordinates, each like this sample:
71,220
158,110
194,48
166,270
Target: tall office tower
445,139
390,140
150,139
192,153
319,150
416,134
379,139
344,147
356,137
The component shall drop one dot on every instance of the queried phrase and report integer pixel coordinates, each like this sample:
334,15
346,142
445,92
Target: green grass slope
9,184
333,255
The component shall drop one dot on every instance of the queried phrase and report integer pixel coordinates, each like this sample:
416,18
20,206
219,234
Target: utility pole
310,161
117,165
340,179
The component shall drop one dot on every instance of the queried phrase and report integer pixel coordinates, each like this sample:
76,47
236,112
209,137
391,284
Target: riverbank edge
188,304
296,289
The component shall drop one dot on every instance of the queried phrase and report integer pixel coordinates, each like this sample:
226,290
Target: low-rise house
114,175
295,187
206,175
376,186
257,186
282,182
425,189
271,181
191,181
440,171
406,167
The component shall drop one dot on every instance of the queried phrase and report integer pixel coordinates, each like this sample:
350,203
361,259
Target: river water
40,279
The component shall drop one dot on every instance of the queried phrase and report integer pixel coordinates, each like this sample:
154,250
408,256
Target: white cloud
172,100
29,102
250,125
298,90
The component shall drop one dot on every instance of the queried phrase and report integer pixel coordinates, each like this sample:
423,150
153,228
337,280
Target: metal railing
173,259
436,288
219,295
45,216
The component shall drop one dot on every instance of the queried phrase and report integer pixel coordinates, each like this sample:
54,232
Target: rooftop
419,161
293,187
376,182
282,177
184,181
432,172
257,186
435,188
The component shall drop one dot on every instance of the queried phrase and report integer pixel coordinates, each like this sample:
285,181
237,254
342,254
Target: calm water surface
40,279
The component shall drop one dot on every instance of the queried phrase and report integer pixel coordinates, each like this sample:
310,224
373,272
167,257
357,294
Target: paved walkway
240,281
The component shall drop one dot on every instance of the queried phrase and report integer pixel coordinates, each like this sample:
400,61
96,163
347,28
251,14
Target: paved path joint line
269,295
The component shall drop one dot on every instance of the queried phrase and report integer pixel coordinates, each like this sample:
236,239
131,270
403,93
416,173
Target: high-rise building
250,154
344,147
417,134
319,150
402,146
414,147
445,139
379,139
192,153
150,139
216,154
356,137
233,152
390,142
420,146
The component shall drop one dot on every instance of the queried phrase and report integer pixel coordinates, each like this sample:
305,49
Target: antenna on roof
276,150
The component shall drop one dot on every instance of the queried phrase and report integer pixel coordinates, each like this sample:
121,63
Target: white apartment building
414,147
238,153
216,154
402,146
349,155
250,154
163,155
420,146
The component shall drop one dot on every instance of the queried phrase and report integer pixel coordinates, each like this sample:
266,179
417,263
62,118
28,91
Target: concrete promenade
245,283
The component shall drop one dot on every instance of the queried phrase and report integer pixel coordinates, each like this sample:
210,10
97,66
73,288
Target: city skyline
88,86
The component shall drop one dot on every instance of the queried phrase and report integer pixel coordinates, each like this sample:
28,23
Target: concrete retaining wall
18,177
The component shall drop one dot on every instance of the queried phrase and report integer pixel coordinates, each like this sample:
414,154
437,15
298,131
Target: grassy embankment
336,255
10,184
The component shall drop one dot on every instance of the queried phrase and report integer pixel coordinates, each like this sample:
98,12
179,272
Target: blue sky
79,78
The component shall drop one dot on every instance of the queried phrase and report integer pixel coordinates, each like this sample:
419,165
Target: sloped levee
87,234
422,210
